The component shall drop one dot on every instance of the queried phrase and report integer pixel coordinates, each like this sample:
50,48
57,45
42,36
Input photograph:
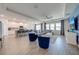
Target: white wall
70,37
5,27
12,25
16,25
7,24
29,25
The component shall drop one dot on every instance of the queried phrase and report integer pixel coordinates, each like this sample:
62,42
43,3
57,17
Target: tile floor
22,46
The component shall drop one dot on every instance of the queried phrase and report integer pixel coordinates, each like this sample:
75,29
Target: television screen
72,23
71,20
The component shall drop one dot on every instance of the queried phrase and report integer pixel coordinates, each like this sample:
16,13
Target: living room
39,29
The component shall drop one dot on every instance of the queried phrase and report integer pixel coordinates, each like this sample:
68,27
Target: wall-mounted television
72,23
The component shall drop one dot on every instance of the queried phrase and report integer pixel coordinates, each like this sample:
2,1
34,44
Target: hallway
21,46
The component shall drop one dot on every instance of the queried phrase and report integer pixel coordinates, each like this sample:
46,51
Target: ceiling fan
47,17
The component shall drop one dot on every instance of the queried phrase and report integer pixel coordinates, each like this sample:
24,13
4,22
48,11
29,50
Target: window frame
48,26
38,27
58,26
52,26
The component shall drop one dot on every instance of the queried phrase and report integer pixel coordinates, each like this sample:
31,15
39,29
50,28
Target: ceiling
39,11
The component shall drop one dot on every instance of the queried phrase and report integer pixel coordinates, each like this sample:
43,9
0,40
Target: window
58,26
52,26
47,26
38,27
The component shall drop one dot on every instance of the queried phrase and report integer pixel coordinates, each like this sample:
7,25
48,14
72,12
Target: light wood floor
22,46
